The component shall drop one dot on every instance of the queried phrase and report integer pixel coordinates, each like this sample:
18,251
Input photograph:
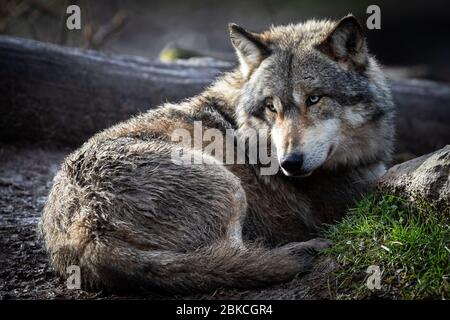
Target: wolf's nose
292,162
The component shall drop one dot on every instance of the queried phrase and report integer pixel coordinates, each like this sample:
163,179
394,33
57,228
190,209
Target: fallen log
64,95
423,116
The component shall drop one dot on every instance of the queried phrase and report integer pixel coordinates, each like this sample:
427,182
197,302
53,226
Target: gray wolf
133,220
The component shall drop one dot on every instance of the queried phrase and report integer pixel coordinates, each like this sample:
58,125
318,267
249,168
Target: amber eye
269,104
312,100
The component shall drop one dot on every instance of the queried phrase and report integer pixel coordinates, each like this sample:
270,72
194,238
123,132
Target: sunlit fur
132,219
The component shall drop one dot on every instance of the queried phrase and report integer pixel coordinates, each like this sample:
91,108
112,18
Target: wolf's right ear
249,47
346,43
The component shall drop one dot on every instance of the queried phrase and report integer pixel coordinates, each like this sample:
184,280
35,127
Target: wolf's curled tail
113,216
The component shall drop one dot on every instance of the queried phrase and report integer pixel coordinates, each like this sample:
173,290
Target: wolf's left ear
346,43
250,49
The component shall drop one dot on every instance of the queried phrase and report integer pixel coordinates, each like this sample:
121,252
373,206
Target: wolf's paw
306,251
317,244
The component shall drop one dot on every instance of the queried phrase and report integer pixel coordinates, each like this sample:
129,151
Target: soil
25,179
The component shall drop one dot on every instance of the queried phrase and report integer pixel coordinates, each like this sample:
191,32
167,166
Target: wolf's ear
346,43
249,47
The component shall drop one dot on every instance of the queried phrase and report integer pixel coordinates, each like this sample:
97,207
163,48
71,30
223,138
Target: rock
426,177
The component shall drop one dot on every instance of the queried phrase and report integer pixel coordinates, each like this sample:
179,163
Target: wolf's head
319,93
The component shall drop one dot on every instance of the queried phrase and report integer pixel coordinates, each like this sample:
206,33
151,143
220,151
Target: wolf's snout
292,164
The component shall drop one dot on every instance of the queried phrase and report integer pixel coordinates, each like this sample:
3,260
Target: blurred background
413,40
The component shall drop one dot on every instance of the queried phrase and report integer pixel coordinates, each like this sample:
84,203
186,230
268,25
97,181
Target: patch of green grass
410,242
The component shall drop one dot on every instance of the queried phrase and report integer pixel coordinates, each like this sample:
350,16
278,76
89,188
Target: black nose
292,162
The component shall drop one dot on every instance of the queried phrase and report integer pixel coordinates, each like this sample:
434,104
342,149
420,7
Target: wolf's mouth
297,174
330,152
302,175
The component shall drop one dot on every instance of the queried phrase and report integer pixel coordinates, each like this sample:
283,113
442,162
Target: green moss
408,241
170,54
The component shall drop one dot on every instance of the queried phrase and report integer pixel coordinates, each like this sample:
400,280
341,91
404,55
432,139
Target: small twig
105,31
16,11
88,27
88,32
43,7
32,28
62,35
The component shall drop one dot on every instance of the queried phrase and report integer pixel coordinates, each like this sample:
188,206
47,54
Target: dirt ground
25,179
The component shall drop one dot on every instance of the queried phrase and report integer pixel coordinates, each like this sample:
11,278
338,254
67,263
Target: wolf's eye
269,105
312,100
